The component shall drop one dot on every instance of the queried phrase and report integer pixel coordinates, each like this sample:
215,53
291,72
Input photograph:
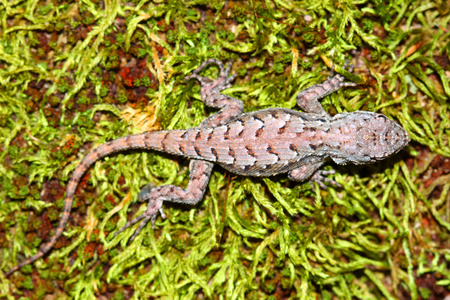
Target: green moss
28,284
83,100
122,98
65,67
119,296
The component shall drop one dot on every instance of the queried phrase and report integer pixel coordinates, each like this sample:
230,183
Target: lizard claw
340,79
149,215
320,179
350,68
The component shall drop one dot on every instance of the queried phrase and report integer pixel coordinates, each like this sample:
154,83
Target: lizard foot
221,83
338,80
320,179
308,99
154,206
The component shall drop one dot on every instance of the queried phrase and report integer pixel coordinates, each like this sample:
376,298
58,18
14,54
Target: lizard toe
320,179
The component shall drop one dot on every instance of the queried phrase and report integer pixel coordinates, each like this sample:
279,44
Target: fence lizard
260,143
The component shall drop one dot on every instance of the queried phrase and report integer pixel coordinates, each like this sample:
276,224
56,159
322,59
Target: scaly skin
261,143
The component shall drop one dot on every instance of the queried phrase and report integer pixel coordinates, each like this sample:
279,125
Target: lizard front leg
308,99
200,171
310,170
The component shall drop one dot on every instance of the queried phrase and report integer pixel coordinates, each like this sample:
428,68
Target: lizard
266,142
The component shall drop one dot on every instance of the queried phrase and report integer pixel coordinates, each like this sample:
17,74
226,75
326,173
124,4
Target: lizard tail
149,140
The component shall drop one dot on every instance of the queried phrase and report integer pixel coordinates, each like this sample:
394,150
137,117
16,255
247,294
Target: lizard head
374,136
379,137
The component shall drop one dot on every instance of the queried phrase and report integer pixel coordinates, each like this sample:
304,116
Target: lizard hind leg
200,171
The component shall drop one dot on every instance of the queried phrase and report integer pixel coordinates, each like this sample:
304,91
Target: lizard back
262,143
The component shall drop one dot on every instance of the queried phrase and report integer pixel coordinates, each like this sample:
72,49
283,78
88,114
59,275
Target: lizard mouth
397,138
